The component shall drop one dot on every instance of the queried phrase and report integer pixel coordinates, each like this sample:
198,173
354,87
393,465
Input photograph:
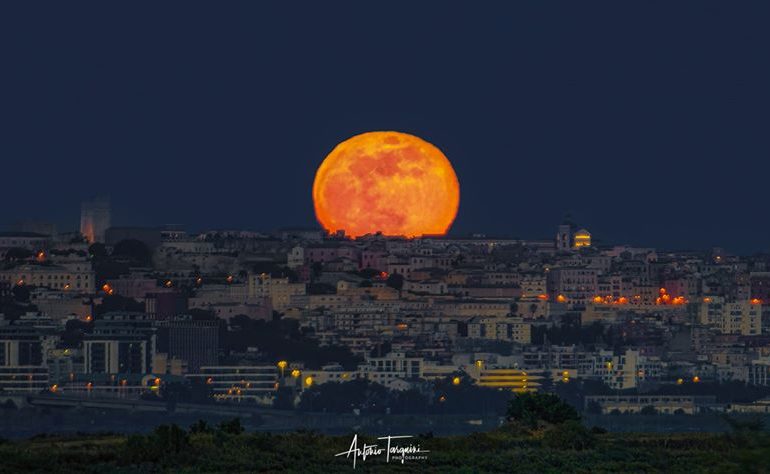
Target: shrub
752,425
533,408
171,438
199,427
164,441
232,427
569,435
648,410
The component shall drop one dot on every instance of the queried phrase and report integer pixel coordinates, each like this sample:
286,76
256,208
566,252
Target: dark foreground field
509,449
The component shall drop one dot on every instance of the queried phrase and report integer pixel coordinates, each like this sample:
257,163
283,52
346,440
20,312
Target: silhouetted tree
569,435
232,427
15,254
200,427
284,399
97,250
117,303
20,293
534,408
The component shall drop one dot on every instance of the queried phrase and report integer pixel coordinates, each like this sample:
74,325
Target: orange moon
389,182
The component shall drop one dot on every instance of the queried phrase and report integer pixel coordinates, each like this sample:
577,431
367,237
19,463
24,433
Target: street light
282,365
456,381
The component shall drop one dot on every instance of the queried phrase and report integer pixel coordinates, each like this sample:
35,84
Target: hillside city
284,319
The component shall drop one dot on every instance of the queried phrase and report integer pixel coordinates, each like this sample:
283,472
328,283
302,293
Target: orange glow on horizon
388,182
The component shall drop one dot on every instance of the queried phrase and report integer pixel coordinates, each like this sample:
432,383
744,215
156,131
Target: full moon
389,182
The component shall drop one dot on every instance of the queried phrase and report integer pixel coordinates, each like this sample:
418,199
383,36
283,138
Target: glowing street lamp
295,373
308,381
282,365
456,381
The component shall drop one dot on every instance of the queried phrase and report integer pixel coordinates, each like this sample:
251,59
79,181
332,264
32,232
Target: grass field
510,449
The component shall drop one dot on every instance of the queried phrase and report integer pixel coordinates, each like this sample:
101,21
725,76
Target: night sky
648,121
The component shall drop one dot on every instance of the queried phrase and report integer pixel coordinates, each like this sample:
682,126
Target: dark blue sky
648,121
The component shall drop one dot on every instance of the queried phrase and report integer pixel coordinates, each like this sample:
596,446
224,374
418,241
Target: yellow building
511,379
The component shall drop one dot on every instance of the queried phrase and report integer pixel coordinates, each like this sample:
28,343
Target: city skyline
76,226
440,236
653,138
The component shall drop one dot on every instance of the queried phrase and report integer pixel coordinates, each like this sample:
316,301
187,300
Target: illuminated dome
582,238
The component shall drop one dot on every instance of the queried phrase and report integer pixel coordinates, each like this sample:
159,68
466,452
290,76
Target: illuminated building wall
582,238
240,383
95,219
512,379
